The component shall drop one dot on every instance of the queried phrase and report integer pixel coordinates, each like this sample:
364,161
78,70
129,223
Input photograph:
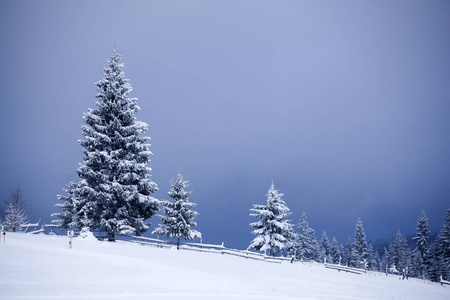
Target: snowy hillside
43,267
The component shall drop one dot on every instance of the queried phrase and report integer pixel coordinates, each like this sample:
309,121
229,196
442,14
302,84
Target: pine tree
418,268
359,249
444,245
68,217
179,216
435,261
420,256
400,254
14,218
423,234
274,232
347,259
373,260
16,211
325,248
115,188
385,261
441,251
342,254
334,251
306,247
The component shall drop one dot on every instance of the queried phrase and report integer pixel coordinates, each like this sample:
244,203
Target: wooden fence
200,247
345,269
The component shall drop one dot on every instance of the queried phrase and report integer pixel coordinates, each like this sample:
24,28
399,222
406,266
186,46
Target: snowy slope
43,267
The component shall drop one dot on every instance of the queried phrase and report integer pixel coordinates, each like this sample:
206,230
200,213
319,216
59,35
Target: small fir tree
68,217
307,247
359,249
348,253
179,216
435,268
385,261
16,211
14,218
444,247
400,254
115,190
439,253
274,232
325,248
423,235
418,268
373,260
334,251
341,253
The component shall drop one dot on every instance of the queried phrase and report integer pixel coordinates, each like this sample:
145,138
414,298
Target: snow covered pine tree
439,253
273,231
14,218
423,234
419,259
334,252
179,218
325,248
400,254
444,244
116,190
359,246
15,212
306,246
68,217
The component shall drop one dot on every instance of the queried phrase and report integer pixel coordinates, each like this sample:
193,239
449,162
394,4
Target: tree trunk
178,243
111,237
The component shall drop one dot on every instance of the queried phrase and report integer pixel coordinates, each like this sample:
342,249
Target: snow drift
43,267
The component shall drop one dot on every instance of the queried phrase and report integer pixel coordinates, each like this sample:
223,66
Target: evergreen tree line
114,194
276,235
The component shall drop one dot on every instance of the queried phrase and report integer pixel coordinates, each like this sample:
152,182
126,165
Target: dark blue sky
345,105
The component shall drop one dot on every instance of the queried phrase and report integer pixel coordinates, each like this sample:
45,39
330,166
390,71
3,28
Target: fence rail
345,269
200,247
442,282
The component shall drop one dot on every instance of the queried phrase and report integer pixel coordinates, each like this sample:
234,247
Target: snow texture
43,267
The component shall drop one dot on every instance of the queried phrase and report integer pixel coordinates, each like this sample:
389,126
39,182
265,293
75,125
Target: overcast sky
345,105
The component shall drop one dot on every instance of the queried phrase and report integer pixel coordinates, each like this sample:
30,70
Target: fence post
70,234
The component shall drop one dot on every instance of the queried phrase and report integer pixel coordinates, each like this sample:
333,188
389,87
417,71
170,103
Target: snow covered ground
43,267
